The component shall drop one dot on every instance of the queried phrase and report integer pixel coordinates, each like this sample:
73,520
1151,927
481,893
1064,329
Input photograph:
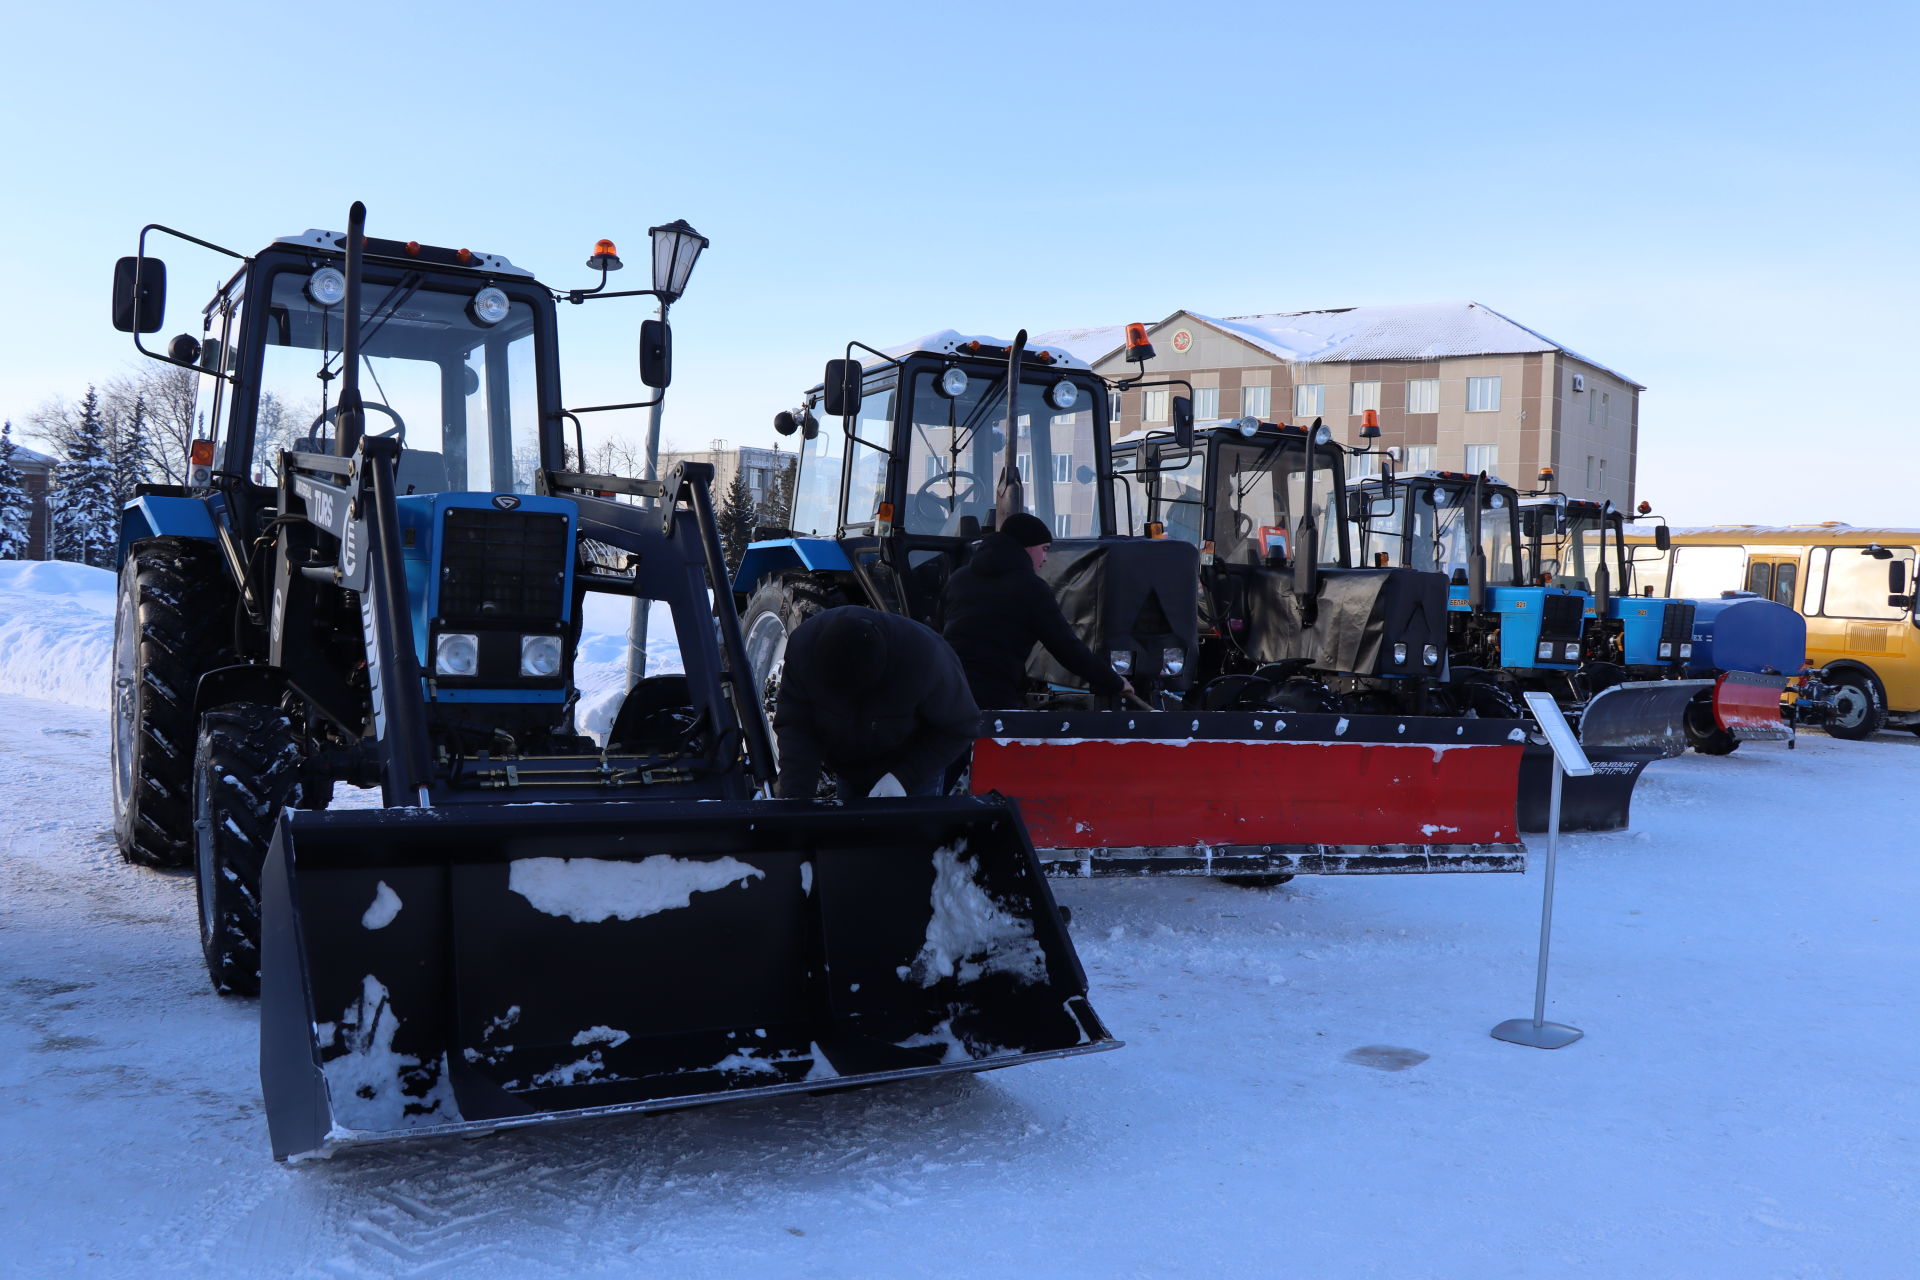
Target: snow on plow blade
1230,792
437,971
1623,729
1747,705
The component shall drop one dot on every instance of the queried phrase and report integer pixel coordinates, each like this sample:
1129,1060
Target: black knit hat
1027,530
852,648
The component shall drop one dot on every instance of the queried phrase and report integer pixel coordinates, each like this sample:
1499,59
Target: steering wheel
937,507
329,416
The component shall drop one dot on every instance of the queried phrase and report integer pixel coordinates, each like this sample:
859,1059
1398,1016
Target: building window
1153,405
1603,476
1589,473
1483,395
1599,407
1066,526
1417,458
1026,468
1366,395
1113,405
1309,400
1423,395
1362,465
1256,402
1206,402
1483,457
1062,468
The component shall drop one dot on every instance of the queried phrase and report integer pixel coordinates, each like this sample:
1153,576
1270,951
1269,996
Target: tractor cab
1283,595
1577,545
909,456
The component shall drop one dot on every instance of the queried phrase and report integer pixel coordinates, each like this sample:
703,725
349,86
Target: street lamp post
676,247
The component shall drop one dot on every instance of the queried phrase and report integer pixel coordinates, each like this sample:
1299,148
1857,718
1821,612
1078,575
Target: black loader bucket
454,970
1623,729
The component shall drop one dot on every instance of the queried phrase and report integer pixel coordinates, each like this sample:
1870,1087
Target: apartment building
762,467
1457,386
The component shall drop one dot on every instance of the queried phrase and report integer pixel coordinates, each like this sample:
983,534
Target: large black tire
247,767
174,624
1704,733
1859,705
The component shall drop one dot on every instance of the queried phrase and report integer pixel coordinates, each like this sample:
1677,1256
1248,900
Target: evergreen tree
84,514
779,508
15,506
737,519
127,450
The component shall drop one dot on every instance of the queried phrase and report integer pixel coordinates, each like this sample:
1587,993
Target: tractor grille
1562,615
1677,625
507,564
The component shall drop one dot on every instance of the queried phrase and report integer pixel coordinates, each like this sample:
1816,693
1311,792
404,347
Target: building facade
1457,387
36,472
763,468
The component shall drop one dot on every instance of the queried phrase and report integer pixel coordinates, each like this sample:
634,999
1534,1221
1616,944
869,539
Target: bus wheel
1859,706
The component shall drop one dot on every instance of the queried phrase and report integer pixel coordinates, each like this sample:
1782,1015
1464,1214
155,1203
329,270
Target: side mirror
140,309
1662,537
1897,576
842,386
656,354
1183,421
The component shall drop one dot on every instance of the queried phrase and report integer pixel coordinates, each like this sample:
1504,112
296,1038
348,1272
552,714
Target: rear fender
816,555
155,516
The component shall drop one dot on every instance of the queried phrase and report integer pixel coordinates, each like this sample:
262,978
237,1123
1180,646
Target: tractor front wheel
247,768
1704,733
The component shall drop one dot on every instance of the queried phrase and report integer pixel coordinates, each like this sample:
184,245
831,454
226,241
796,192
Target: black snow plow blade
440,971
1623,729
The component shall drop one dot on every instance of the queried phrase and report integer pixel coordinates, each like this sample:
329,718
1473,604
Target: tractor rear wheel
778,606
247,768
1859,705
173,625
1704,733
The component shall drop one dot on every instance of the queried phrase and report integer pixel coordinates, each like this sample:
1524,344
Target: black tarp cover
1141,594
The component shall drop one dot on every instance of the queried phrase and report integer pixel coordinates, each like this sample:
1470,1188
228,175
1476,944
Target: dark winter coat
913,721
995,610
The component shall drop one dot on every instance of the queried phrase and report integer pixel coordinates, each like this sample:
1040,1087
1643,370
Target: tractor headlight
1323,435
1686,651
1173,661
953,382
1399,654
1121,660
1666,649
1545,651
327,287
1573,651
1248,427
1063,395
490,306
1431,655
539,655
456,653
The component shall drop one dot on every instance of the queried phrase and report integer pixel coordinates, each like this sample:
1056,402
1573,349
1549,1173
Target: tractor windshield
459,394
1260,498
954,453
1569,548
1441,534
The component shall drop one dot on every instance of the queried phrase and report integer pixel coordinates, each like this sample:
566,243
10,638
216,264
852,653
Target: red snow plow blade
1231,793
1747,705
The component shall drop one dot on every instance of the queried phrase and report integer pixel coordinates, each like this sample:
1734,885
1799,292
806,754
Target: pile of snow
56,631
56,640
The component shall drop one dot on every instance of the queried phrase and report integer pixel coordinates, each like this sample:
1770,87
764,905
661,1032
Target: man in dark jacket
866,694
998,607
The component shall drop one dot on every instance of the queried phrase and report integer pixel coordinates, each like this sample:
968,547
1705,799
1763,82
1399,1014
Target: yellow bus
1853,586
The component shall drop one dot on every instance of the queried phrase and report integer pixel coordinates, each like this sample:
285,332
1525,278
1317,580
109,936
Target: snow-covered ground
1308,1087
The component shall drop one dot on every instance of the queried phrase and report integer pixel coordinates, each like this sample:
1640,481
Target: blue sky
1716,199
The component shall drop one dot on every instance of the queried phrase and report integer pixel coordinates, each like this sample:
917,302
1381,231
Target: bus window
1760,578
1783,582
1857,584
1703,573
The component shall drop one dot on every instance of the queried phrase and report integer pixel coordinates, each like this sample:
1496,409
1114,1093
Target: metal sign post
1568,760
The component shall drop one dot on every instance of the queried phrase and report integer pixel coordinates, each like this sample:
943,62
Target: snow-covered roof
949,340
30,457
1403,331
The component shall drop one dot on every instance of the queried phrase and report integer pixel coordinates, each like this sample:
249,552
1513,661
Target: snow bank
56,640
56,631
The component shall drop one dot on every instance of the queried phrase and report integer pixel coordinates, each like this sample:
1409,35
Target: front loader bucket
453,970
1623,729
1108,793
1747,705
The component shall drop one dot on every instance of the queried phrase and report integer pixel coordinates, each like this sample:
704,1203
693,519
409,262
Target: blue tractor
376,576
1515,629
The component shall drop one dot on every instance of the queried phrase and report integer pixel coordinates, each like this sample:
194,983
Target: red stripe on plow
1104,794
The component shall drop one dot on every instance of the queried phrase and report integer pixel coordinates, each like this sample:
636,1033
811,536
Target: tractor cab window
1181,491
1443,533
459,394
816,493
1260,497
958,445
